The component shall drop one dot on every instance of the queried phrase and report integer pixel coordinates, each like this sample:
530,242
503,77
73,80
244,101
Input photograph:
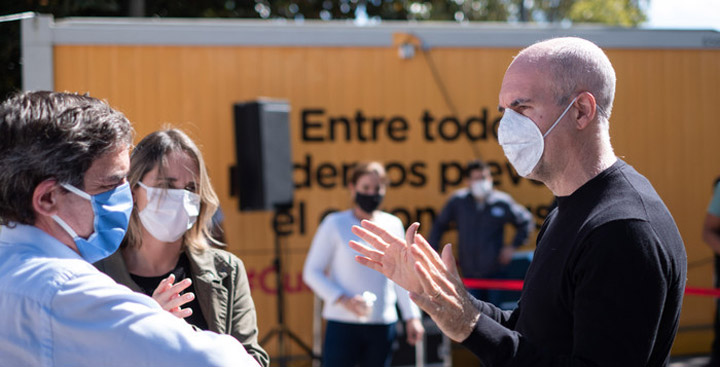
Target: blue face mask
112,210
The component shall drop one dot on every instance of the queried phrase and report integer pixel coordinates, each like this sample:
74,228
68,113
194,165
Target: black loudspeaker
263,175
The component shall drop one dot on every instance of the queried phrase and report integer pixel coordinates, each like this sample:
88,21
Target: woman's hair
364,168
153,151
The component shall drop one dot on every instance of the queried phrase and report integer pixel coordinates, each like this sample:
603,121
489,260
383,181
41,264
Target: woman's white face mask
522,141
169,212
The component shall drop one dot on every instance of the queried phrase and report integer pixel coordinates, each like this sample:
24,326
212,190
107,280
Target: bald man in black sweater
604,288
606,283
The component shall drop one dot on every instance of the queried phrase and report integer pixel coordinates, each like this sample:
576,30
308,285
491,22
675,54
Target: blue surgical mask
112,210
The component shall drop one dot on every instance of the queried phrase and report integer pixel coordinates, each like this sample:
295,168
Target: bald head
573,65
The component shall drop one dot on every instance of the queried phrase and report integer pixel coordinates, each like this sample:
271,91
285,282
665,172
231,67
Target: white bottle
369,298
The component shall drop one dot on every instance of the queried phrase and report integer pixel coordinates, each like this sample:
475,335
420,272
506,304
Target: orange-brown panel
417,115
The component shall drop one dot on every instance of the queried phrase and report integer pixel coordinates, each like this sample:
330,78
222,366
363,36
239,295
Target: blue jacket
481,229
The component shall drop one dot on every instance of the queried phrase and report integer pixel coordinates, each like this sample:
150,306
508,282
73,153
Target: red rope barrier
516,285
501,284
702,291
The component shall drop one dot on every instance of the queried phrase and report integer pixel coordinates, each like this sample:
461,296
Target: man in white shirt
64,203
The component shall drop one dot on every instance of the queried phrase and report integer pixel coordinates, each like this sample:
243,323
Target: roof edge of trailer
290,33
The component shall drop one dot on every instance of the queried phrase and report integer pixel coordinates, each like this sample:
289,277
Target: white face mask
480,188
169,212
522,141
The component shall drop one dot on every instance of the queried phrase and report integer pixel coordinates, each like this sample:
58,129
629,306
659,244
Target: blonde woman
167,249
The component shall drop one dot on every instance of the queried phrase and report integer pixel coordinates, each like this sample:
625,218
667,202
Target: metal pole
280,300
137,8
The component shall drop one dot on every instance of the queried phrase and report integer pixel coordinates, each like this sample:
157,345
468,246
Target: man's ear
45,197
586,110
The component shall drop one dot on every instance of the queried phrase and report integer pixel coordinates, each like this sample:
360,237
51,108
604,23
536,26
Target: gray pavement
689,361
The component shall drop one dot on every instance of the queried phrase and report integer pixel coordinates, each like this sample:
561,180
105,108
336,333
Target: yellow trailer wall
664,123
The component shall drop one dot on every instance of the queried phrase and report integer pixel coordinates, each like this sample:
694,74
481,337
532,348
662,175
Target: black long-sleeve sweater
605,286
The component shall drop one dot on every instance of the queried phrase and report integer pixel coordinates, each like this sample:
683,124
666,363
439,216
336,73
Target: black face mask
368,203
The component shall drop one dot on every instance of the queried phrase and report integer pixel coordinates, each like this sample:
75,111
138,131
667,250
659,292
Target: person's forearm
712,238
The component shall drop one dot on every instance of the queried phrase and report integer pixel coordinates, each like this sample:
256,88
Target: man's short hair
477,164
576,65
52,135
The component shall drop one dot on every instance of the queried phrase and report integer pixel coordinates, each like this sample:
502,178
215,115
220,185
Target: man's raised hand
390,255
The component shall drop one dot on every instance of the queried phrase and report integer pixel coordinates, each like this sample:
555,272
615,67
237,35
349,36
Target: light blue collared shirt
56,309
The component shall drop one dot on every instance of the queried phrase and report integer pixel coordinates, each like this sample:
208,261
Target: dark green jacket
222,289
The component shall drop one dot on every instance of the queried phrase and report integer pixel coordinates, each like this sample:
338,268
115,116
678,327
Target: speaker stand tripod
281,330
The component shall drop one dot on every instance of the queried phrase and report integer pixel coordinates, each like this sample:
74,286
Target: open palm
391,255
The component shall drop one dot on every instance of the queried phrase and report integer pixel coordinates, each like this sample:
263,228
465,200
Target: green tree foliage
626,13
615,12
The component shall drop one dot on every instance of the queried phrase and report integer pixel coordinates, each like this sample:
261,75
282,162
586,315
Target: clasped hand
168,296
433,282
356,305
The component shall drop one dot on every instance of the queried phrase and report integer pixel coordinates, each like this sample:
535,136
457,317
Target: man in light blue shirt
65,202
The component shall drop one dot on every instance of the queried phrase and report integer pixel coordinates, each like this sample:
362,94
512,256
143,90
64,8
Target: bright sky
684,14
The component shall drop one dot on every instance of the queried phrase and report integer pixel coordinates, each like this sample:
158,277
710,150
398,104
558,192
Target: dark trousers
364,345
715,352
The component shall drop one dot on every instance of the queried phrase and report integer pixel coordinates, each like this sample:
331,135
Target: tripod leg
300,343
268,336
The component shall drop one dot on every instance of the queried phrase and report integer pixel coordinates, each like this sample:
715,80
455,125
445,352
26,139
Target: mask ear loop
65,226
561,116
59,220
77,191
